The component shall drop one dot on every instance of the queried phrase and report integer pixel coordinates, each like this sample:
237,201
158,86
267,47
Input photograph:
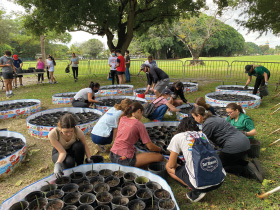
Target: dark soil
130,176
162,194
70,95
144,195
9,145
90,174
152,186
220,111
85,188
112,183
102,188
16,105
233,88
104,198
112,102
53,118
168,204
94,181
118,174
54,196
115,192
55,206
114,88
86,199
72,200
143,91
136,206
187,110
232,97
105,172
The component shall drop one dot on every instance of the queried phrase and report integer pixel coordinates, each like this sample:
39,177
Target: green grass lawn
235,193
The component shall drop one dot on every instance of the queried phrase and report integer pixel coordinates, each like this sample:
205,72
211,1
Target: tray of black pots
139,92
12,151
189,87
63,98
110,90
40,124
105,103
130,194
245,100
16,108
234,88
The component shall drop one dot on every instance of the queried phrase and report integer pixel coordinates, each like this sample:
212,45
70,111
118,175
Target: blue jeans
102,140
127,75
159,112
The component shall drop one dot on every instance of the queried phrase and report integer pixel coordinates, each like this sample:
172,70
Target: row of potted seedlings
9,145
15,105
104,189
112,101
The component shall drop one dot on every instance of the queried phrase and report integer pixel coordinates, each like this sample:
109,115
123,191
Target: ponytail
131,109
235,106
199,110
123,105
93,85
200,101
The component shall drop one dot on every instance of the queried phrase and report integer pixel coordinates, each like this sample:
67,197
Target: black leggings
114,74
40,76
77,103
48,74
75,72
75,154
259,82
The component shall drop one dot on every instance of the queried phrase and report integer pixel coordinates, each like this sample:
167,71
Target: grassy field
235,193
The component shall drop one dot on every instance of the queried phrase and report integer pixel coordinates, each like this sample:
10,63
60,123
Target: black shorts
7,75
126,162
19,76
120,72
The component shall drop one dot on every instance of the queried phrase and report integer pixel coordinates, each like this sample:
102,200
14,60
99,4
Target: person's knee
78,146
69,162
158,158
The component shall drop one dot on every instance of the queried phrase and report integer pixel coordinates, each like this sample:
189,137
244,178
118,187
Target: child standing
40,65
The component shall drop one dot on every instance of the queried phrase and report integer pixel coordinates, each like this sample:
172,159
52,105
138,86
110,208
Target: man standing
6,62
112,62
155,76
127,65
18,64
120,67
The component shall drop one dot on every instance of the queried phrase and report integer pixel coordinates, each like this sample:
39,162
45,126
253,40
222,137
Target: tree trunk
43,52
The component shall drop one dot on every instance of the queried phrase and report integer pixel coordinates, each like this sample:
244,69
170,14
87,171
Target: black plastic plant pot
70,188
122,208
141,181
153,186
39,203
85,207
87,199
21,205
115,192
72,198
158,168
129,177
83,182
129,192
151,205
86,188
105,173
128,184
144,194
70,207
92,173
104,198
76,177
96,180
97,159
48,187
119,201
136,205
118,174
55,194
101,187
161,194
33,195
55,204
103,207
112,181
2,157
166,204
62,181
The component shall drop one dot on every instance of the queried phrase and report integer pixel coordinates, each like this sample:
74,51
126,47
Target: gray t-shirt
226,136
74,60
83,94
6,60
153,64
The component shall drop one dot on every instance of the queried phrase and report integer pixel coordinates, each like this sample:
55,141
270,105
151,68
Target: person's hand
244,132
58,170
246,87
266,84
88,160
7,64
145,92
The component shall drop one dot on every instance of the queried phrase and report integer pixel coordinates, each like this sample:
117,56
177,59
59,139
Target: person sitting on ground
234,144
155,76
105,129
200,101
86,96
178,90
69,145
151,62
18,65
262,75
162,104
183,142
130,129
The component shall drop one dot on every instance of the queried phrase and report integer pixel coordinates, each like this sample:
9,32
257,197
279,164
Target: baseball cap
248,68
142,68
15,57
166,91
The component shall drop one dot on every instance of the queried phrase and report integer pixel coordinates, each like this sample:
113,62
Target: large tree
91,48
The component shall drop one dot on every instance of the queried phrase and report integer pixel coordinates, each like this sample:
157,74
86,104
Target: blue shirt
107,122
17,63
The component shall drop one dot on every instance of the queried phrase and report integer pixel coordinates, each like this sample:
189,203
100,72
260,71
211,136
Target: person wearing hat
18,64
262,75
155,76
162,104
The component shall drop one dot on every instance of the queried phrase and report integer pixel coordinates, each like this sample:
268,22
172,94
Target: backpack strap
58,135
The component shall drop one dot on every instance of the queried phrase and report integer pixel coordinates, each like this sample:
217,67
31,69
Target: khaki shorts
161,85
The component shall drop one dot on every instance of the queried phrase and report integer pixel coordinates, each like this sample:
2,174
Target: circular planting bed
112,192
246,100
189,87
12,151
150,96
110,90
105,103
16,108
234,88
63,98
40,124
185,111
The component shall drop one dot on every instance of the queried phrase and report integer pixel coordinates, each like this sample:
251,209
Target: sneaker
254,173
75,80
257,163
55,82
169,113
50,82
8,96
195,196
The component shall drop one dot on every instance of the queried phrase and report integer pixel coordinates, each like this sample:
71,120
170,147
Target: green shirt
244,123
259,71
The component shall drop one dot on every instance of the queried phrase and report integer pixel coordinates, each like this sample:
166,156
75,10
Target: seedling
152,201
21,205
38,203
87,199
138,207
50,186
74,174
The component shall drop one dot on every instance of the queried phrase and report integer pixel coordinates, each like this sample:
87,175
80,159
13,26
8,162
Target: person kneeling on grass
162,104
199,181
105,129
69,145
130,129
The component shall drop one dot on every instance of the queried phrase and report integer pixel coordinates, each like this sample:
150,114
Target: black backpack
149,109
67,70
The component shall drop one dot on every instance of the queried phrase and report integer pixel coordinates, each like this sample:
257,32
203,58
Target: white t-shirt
51,65
83,94
107,122
113,62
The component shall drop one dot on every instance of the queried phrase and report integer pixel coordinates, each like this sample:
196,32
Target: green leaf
18,183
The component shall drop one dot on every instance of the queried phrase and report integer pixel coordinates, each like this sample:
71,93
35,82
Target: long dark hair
200,101
54,63
94,85
187,124
132,108
178,85
199,110
234,106
67,121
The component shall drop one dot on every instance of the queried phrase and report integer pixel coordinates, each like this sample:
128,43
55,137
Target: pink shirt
40,65
160,101
129,132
